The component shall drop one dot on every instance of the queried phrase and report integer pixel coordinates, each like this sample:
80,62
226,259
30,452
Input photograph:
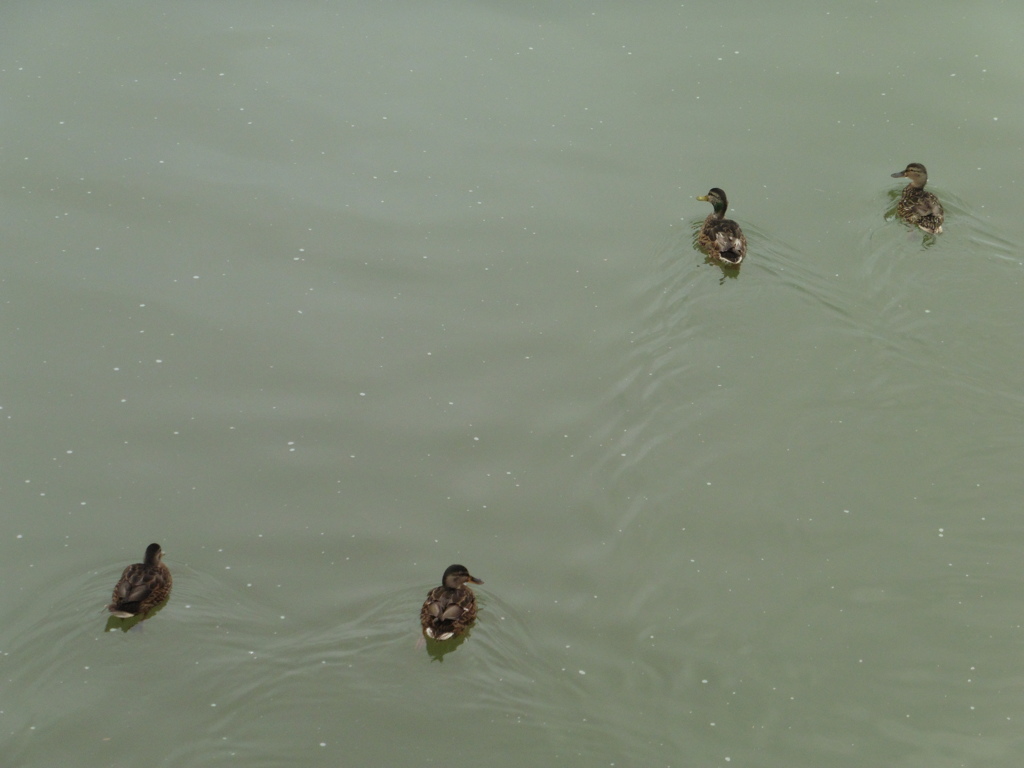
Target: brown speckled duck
142,586
722,238
917,207
450,608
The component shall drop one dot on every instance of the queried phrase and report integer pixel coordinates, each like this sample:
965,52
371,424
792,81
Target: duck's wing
729,237
927,205
136,584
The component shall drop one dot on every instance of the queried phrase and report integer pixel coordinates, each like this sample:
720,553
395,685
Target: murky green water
326,297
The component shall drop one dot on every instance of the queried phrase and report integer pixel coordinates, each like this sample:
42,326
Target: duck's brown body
142,587
450,608
721,238
916,206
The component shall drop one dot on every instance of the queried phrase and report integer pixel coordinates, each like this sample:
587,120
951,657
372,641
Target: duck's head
916,172
716,197
457,575
153,554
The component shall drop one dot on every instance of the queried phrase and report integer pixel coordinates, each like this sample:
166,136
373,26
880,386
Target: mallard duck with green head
143,586
722,238
450,608
916,206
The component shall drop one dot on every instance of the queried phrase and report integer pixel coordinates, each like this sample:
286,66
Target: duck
142,586
450,608
722,238
917,207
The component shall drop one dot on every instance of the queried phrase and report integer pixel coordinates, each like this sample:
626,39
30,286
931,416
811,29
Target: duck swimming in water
450,608
143,586
917,207
722,238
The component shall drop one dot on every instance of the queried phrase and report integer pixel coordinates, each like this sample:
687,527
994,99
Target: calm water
326,297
